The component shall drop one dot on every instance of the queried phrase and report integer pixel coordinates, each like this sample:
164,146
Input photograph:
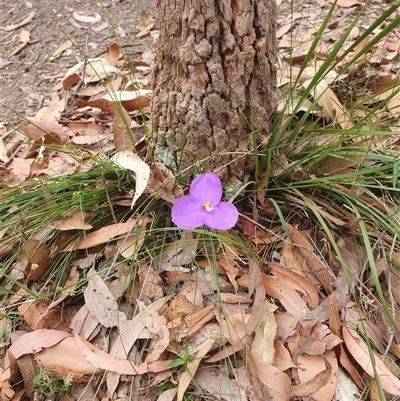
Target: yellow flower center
208,206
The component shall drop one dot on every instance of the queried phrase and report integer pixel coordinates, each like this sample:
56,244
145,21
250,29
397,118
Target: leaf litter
292,320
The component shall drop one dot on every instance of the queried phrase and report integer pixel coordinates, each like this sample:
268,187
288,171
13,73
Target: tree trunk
214,83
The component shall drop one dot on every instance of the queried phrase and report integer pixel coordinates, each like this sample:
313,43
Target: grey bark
214,83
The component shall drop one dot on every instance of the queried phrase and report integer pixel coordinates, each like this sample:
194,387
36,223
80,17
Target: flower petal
188,213
207,188
223,217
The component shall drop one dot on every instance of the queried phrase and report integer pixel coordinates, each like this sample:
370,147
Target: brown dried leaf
12,27
278,289
123,138
130,100
276,383
113,54
156,324
306,249
101,303
102,360
46,132
176,255
263,343
25,37
131,244
76,221
103,235
216,382
162,183
298,282
40,317
64,46
191,368
65,357
360,352
283,359
347,3
36,341
314,384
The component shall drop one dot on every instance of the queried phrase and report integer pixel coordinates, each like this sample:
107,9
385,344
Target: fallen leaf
36,341
264,336
113,54
215,381
312,366
191,368
313,385
132,243
87,18
24,39
276,383
360,352
130,100
61,49
76,221
156,324
347,3
102,236
130,161
101,303
27,19
100,359
123,138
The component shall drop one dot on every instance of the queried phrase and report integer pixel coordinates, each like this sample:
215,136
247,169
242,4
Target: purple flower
204,207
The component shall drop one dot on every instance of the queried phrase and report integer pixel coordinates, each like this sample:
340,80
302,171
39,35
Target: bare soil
28,77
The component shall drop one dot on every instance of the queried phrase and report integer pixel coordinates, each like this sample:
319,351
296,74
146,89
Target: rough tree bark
214,82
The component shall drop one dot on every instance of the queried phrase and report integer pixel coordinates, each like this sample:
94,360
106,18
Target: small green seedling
183,360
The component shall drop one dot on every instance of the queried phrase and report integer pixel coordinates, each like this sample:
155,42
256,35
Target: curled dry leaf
130,100
87,18
27,19
162,183
130,161
278,289
306,249
298,282
113,54
91,70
